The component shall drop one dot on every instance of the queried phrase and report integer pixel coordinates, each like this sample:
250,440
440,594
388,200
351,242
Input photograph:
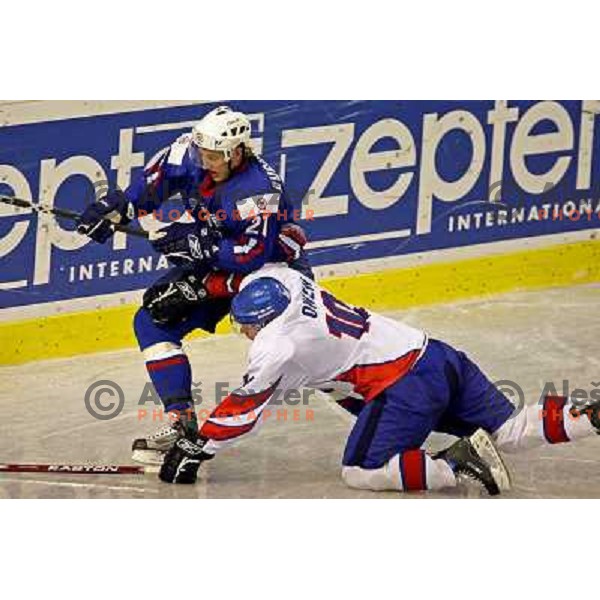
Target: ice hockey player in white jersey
401,386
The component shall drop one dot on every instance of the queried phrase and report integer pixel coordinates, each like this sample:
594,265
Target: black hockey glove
171,300
185,244
96,218
182,462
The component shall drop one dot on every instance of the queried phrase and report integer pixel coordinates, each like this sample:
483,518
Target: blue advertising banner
376,178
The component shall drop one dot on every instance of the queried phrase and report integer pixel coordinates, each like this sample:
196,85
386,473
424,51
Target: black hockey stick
74,469
68,214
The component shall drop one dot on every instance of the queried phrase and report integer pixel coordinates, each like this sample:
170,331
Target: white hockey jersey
318,342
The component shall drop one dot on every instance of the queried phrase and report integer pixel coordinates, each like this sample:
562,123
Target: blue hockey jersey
251,206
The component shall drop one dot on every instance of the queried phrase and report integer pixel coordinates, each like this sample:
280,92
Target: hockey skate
476,459
589,409
151,450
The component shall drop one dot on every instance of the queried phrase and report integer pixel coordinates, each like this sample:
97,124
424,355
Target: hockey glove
291,241
187,243
171,302
95,222
182,462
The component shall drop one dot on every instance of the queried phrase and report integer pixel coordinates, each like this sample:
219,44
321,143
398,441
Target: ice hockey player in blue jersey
234,217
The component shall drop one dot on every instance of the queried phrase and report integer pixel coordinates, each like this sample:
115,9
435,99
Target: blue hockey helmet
260,302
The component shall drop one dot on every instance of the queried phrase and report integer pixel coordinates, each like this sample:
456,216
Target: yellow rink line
111,329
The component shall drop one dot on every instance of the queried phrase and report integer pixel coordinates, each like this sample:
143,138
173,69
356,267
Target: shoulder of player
253,180
264,175
271,346
251,193
174,160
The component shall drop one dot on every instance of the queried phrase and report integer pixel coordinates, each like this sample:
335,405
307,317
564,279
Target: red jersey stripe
220,433
238,404
370,380
251,254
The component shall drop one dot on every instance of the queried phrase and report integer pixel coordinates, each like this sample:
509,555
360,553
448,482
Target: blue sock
172,378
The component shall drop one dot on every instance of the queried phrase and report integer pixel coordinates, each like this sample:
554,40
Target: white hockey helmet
222,129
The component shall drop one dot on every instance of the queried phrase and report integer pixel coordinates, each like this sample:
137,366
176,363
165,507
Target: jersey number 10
343,319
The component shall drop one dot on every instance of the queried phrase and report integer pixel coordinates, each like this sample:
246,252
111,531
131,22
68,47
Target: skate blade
483,444
148,457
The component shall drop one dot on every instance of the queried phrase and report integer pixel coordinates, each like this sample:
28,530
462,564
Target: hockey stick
74,469
68,214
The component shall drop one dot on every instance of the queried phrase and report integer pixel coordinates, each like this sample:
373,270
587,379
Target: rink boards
406,203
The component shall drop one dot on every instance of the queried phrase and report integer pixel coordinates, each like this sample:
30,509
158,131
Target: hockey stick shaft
68,214
73,469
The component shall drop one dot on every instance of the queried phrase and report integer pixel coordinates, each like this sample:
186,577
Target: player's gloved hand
187,243
95,222
182,461
170,302
292,239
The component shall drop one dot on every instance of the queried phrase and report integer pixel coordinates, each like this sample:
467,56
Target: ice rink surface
527,337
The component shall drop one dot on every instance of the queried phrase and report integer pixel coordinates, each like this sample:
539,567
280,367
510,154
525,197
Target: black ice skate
151,450
477,459
589,409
